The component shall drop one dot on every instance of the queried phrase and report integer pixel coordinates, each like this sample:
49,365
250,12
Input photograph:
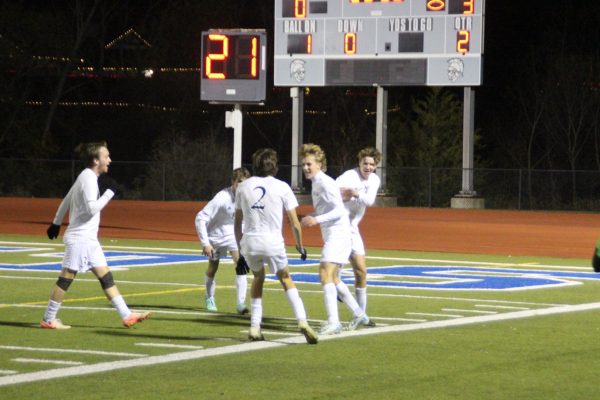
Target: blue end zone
124,259
457,278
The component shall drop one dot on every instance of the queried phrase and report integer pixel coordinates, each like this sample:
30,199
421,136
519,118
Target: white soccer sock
297,305
331,303
119,303
361,297
51,310
348,299
241,283
210,286
256,317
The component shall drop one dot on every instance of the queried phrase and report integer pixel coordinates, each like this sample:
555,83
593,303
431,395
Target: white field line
276,333
435,315
501,307
72,351
170,346
461,310
44,361
93,280
7,372
298,339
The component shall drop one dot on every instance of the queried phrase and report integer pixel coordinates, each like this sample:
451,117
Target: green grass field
528,342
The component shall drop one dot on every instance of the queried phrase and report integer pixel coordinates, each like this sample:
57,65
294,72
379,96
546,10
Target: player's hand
106,182
53,231
302,252
242,267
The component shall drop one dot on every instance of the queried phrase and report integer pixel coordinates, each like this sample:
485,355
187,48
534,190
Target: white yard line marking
72,351
7,372
170,346
468,311
501,307
279,333
255,346
435,315
396,319
43,361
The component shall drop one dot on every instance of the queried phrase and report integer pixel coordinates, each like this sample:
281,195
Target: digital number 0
350,43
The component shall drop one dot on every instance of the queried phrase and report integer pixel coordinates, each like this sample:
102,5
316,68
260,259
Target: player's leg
210,282
359,267
295,301
49,320
328,274
241,285
256,292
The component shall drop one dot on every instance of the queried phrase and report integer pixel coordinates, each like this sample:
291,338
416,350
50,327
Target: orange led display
463,39
468,7
350,43
216,57
300,8
436,5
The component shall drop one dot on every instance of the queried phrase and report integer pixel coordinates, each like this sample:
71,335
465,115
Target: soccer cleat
330,329
210,304
357,321
135,318
54,324
254,334
371,323
242,309
308,332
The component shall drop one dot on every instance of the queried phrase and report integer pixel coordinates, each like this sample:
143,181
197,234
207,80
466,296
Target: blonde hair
239,174
311,149
369,152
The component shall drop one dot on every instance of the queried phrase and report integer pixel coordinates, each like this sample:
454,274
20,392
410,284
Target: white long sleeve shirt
215,220
84,203
367,189
330,212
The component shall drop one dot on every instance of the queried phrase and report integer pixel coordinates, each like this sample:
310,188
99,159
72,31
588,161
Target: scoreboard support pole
233,119
297,95
467,197
381,133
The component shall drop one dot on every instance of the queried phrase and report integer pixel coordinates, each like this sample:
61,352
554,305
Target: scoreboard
378,42
233,66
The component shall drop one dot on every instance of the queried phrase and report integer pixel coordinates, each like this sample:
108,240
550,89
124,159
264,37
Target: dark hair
88,152
264,162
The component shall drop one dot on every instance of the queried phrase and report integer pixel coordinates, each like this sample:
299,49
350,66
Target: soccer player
359,187
331,215
214,225
259,202
82,249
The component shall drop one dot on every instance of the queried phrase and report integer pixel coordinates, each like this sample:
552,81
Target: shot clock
233,66
378,42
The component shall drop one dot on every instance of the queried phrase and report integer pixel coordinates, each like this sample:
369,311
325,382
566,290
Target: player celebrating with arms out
331,215
82,249
214,225
359,187
259,202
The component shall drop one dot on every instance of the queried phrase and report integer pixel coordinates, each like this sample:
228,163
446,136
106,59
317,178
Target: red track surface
555,234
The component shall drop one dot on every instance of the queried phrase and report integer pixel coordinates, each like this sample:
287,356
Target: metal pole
233,119
468,142
381,133
297,95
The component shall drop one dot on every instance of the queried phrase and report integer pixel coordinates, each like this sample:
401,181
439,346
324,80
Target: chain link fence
519,189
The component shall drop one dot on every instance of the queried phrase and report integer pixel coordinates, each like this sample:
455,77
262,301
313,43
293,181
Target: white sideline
254,346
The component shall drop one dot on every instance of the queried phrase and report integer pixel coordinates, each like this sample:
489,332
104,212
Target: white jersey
215,221
262,201
367,189
84,204
329,207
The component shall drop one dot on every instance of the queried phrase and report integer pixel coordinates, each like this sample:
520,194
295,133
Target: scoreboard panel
378,42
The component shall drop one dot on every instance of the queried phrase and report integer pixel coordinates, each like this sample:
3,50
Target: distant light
148,73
